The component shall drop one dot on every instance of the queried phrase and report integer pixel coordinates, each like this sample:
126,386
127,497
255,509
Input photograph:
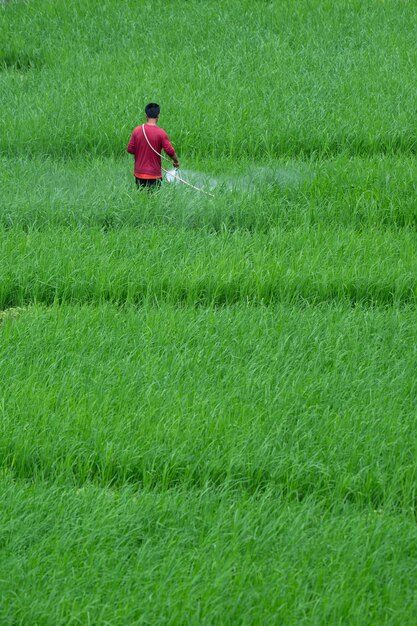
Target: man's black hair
152,109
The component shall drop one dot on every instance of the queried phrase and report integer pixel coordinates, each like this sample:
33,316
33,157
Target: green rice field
208,404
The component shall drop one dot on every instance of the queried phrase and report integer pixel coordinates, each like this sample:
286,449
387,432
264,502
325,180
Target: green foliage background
235,79
207,405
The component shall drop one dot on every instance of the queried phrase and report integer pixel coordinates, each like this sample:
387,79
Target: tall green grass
165,264
309,402
207,405
125,556
348,192
200,466
234,79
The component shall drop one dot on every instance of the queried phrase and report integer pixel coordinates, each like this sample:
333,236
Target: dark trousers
150,183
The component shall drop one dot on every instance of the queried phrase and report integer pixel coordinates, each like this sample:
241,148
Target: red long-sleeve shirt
147,163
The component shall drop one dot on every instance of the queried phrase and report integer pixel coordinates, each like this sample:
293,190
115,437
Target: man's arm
175,160
131,146
168,148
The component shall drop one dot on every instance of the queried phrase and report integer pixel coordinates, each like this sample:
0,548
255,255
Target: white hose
171,173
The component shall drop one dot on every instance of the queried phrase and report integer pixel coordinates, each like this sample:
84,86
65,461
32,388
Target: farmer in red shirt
148,172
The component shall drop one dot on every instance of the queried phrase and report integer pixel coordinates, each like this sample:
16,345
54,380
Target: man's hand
176,164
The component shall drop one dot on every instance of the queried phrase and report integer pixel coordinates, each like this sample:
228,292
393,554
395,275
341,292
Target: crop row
170,265
357,193
316,78
309,402
168,558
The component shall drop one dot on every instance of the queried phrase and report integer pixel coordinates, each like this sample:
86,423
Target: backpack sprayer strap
166,171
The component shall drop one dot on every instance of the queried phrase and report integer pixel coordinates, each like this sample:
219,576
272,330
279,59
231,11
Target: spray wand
174,175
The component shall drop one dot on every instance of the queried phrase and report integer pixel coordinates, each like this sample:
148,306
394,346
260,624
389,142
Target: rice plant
207,405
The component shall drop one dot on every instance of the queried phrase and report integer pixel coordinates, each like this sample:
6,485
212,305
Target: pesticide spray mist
254,180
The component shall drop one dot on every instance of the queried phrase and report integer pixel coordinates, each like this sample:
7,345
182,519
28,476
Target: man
146,145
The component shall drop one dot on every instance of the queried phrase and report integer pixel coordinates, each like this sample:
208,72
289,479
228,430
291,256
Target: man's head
152,110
